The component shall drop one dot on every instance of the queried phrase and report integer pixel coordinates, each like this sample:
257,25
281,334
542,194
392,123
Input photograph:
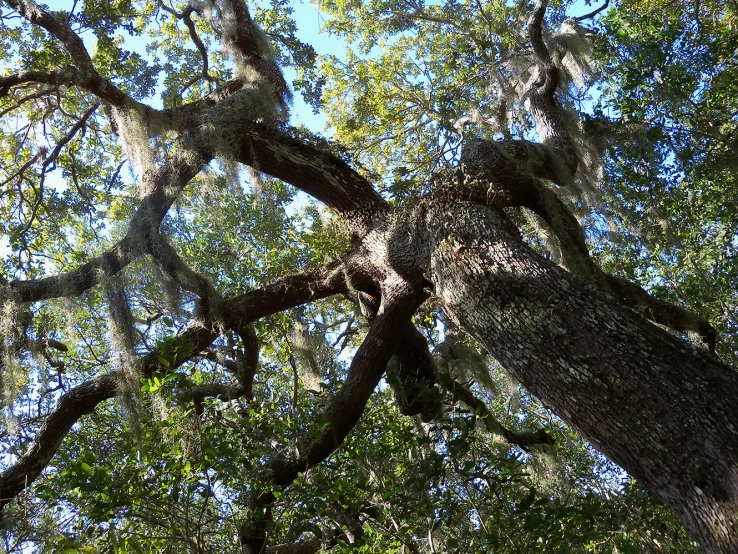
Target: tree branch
413,376
56,77
164,186
512,185
86,76
320,174
523,439
186,17
540,97
593,13
83,399
341,415
178,271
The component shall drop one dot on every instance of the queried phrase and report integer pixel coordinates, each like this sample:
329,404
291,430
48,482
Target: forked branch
81,400
341,416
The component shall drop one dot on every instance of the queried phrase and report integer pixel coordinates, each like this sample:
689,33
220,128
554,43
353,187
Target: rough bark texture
661,408
664,410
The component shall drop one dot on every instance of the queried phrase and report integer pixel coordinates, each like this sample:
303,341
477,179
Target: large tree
457,196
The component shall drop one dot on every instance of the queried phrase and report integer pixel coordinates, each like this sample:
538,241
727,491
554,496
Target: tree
219,288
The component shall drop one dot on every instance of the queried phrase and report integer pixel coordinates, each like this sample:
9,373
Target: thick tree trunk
662,409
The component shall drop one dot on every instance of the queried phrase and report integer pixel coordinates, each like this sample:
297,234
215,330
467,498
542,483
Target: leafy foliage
164,470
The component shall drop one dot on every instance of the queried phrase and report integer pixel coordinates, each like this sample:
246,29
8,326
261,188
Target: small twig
592,14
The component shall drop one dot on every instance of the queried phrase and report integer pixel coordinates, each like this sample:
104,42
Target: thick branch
414,376
576,258
83,399
250,359
320,174
55,77
165,185
341,416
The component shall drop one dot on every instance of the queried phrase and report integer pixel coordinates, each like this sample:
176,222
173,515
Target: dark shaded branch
523,439
341,415
312,546
413,376
82,400
286,293
535,35
249,359
593,13
230,365
56,77
320,174
348,529
164,186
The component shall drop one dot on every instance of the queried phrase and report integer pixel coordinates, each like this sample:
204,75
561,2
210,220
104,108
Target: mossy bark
664,410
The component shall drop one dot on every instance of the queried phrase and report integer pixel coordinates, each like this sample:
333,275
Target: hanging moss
123,340
12,334
305,346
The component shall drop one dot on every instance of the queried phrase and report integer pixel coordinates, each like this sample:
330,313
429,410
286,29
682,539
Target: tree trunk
662,409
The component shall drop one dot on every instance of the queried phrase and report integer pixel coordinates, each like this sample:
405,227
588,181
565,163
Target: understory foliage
111,179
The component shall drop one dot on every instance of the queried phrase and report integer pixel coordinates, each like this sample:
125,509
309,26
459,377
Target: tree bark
664,410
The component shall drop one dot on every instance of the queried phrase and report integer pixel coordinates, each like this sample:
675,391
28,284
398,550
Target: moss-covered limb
320,174
251,49
664,313
83,399
341,416
84,75
540,99
163,187
548,79
511,160
174,268
523,439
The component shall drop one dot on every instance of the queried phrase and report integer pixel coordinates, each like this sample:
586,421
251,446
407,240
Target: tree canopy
493,310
